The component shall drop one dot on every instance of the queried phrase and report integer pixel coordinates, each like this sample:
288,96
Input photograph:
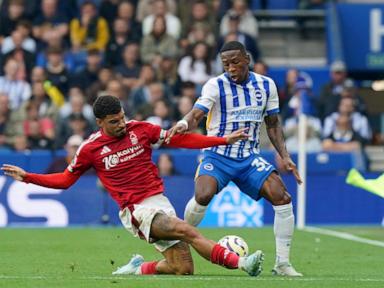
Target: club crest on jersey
208,167
133,138
259,97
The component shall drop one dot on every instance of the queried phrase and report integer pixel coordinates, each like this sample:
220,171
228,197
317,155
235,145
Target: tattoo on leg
162,222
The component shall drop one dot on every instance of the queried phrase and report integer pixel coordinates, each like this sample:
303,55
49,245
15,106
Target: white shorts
139,221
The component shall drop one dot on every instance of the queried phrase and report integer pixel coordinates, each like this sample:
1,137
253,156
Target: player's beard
121,133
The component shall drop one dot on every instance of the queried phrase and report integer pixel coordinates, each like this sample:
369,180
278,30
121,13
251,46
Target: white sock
283,228
194,212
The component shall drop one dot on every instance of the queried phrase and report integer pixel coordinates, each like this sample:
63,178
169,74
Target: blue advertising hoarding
362,35
329,201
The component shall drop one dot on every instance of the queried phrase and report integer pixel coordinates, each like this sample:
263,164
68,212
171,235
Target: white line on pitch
344,235
191,278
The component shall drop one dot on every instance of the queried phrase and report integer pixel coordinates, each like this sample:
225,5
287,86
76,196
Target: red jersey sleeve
195,141
81,162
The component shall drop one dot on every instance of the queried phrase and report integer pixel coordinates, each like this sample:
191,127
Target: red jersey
124,165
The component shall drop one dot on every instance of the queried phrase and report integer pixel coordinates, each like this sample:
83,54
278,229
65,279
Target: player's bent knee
284,199
204,197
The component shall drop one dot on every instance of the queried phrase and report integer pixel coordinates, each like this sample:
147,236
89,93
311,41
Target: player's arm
56,180
188,123
275,134
198,141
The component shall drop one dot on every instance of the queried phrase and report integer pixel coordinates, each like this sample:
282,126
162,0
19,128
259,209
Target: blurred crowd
57,57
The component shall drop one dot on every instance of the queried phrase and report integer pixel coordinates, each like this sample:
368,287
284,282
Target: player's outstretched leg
166,228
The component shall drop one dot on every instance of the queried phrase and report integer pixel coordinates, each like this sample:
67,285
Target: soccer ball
235,244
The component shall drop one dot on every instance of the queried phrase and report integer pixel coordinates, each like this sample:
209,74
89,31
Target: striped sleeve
209,96
272,99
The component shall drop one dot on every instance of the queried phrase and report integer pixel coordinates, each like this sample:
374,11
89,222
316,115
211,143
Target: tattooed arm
275,134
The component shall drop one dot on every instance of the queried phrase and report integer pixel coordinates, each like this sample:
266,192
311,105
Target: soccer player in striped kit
237,99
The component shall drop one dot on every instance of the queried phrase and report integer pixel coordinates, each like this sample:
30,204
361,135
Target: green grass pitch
85,257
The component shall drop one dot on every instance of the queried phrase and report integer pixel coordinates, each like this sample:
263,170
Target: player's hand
237,135
179,128
290,166
15,172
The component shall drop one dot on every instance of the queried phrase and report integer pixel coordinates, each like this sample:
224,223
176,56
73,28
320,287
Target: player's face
235,63
113,125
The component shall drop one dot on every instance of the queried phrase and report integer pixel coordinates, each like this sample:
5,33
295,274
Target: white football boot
252,263
133,266
285,269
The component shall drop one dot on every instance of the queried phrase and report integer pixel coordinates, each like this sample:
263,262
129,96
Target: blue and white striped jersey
231,106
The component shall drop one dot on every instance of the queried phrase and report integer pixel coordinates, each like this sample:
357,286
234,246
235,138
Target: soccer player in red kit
120,152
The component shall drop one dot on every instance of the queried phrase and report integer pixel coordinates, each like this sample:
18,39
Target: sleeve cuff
201,107
273,111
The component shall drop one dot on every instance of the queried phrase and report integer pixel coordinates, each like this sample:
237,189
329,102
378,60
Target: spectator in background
348,91
359,123
302,102
126,11
332,88
35,118
184,105
76,104
260,67
165,165
246,39
288,89
15,12
129,70
156,92
140,95
74,124
343,137
197,67
200,25
159,9
40,131
248,23
38,74
24,58
56,42
117,89
100,86
90,31
162,114
29,44
59,164
108,10
121,37
4,119
199,13
167,74
89,75
145,8
50,22
56,71
189,90
18,91
158,43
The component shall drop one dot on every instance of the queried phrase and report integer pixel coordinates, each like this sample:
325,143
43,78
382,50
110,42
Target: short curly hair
233,45
106,105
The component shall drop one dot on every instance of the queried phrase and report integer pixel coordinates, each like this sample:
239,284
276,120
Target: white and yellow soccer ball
235,244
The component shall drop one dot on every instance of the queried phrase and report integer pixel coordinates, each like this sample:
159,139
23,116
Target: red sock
222,256
148,268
